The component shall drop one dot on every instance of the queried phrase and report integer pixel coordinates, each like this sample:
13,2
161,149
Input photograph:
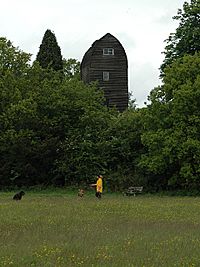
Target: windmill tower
106,62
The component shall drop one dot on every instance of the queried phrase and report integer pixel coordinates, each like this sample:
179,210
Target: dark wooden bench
133,190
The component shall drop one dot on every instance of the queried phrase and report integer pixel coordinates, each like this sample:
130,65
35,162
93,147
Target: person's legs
98,194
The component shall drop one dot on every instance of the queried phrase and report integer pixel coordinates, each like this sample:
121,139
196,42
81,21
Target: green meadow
58,229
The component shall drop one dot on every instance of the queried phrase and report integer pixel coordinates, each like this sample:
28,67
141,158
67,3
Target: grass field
59,229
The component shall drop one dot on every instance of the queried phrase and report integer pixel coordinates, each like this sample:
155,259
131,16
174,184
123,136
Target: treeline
55,130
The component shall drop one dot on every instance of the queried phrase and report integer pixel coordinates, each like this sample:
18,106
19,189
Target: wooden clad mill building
106,62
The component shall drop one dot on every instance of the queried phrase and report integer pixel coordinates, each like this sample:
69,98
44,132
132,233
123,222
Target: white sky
140,26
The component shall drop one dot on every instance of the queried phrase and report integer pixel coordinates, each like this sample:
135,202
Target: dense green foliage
173,127
186,39
12,59
49,55
71,68
49,127
54,129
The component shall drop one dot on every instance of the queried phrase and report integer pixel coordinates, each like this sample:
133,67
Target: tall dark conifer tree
49,54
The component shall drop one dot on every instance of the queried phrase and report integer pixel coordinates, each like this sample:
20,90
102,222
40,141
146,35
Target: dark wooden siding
94,63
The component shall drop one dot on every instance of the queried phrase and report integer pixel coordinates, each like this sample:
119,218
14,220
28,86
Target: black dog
19,195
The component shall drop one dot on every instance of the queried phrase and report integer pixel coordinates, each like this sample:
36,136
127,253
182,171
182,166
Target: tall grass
60,229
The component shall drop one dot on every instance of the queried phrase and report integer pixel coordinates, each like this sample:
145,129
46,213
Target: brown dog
81,193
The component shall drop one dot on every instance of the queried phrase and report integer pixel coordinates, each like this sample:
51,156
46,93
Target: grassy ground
60,229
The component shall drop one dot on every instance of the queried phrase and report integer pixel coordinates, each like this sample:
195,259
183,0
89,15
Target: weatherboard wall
94,63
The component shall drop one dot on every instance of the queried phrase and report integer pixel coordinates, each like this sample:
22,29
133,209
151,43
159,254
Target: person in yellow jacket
99,186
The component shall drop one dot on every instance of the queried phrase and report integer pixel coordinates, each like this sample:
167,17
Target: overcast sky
141,27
